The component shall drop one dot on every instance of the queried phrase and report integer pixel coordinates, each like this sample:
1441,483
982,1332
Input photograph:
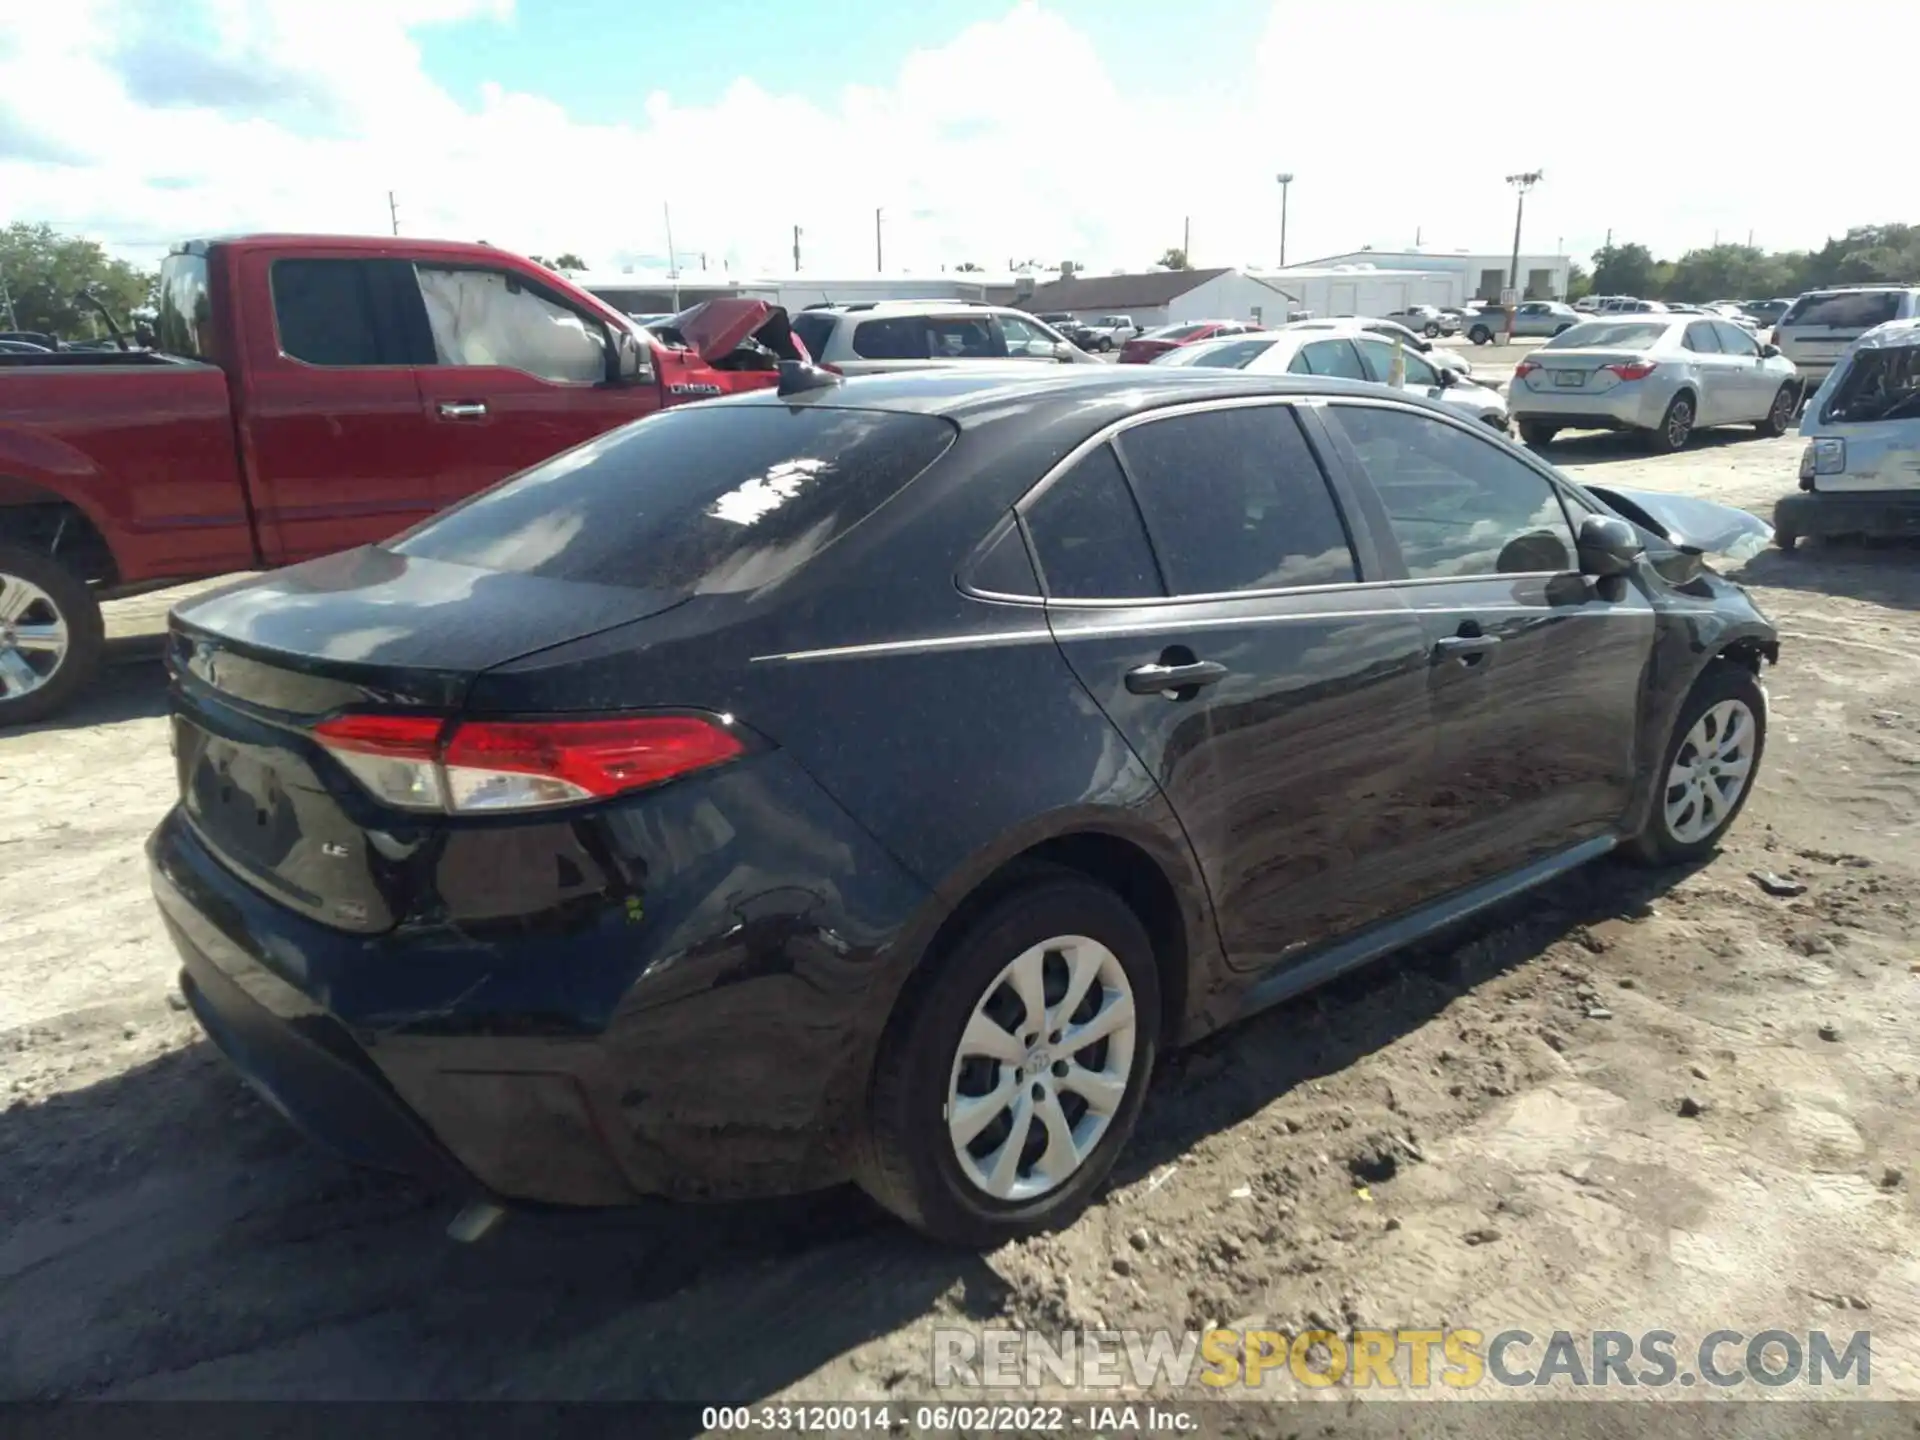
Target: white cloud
291,114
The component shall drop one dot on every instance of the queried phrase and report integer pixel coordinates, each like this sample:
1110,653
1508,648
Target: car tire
1779,417
1106,344
1675,427
1432,332
912,1160
1480,335
39,592
1563,329
1725,715
1536,435
1785,539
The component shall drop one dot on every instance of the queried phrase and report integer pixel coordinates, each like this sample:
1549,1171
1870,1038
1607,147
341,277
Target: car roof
976,394
1893,335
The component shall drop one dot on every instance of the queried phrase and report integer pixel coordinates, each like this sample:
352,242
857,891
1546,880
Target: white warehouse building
1467,275
1162,297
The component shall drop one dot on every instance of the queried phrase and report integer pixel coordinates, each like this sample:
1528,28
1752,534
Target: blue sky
988,131
601,56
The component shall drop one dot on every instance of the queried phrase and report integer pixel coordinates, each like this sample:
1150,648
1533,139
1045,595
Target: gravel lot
1513,1101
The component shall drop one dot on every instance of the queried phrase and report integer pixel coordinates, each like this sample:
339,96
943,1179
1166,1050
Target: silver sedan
1664,376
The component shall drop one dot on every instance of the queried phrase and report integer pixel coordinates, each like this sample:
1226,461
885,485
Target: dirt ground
1512,1103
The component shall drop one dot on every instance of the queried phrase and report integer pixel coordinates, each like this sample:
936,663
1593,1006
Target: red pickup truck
307,394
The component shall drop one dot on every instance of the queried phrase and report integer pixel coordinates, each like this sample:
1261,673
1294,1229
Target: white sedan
1349,350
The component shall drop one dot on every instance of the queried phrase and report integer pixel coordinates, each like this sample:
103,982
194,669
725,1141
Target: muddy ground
1512,1102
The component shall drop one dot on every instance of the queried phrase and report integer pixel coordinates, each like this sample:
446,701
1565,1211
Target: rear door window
1377,355
1700,338
1845,310
1331,357
898,337
690,501
1234,500
1088,537
349,312
963,337
1736,341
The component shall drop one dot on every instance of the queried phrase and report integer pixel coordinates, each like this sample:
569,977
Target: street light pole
1285,180
1522,183
879,265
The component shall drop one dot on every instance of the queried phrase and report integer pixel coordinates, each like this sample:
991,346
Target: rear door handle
463,409
1154,679
1467,649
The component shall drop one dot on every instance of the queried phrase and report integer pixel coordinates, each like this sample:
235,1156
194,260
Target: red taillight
1632,369
1525,368
483,765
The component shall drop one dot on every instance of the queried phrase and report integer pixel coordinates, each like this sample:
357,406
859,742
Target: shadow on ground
1599,447
1882,572
162,1234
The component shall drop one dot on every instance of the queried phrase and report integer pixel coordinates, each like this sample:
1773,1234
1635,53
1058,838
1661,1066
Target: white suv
883,335
1819,326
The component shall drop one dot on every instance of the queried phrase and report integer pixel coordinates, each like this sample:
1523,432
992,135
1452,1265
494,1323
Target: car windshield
1845,310
1221,355
700,500
1881,384
1629,334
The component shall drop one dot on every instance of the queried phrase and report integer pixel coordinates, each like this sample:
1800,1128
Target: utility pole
1522,183
796,249
673,262
393,212
879,264
1186,240
1285,178
6,299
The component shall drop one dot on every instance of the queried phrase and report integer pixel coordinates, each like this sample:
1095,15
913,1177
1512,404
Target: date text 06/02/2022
1103,1419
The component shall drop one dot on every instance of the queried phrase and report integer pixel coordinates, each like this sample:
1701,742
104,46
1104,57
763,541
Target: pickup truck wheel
1432,332
51,635
1480,335
1105,344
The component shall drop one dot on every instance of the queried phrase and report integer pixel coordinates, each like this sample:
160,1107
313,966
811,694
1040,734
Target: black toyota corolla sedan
870,779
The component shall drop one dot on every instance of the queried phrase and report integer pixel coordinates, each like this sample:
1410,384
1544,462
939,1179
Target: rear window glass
1879,385
814,330
1633,334
1849,310
186,311
693,501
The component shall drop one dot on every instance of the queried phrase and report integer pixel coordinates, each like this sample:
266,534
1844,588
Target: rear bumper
1858,512
1636,410
708,1037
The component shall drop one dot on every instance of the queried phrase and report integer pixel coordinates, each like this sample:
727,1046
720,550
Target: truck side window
341,312
487,317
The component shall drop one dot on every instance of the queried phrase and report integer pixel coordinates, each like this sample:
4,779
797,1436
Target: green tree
1623,270
967,267
569,261
45,271
1579,282
1173,258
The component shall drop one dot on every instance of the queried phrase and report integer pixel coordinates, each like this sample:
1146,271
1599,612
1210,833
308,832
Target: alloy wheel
33,637
1679,424
1041,1068
1710,771
1782,414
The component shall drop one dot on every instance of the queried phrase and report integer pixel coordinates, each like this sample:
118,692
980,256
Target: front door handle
1155,679
1467,649
463,409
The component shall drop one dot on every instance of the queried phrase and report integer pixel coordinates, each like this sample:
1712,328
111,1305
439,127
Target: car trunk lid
1579,372
258,666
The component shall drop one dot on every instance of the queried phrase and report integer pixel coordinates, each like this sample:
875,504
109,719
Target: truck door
329,403
518,374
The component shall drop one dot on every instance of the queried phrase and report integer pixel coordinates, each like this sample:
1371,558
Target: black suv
872,779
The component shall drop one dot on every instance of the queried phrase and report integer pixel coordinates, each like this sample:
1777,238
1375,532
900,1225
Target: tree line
42,273
1865,255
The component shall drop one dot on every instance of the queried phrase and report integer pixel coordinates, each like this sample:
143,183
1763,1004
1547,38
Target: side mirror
1444,378
1608,546
632,359
1768,351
